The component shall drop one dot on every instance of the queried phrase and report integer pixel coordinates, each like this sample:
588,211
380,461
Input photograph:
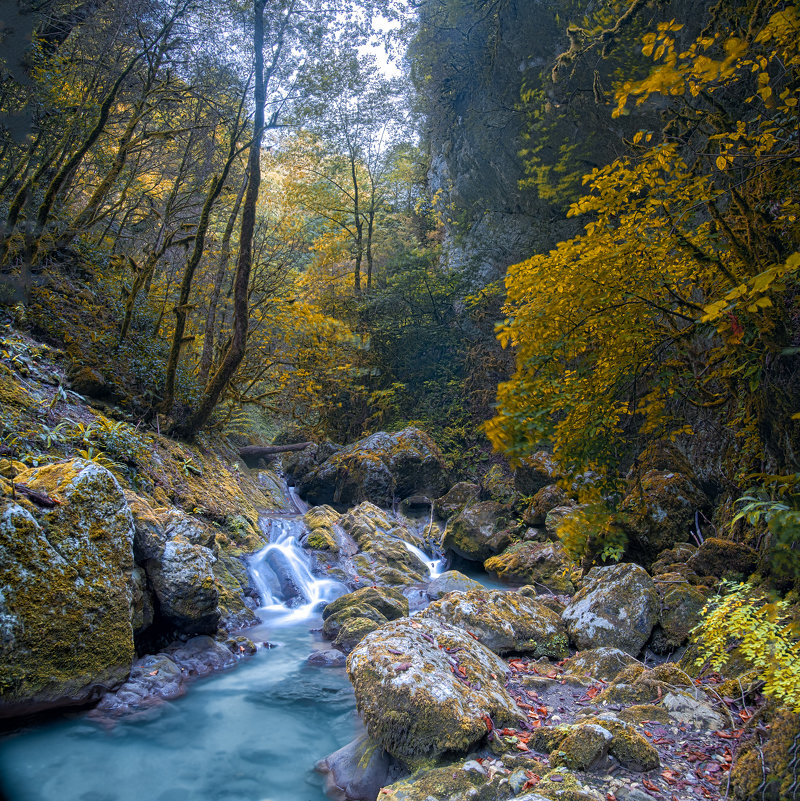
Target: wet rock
200,656
65,605
378,468
298,464
141,601
616,606
476,532
183,581
327,657
503,621
599,663
658,513
543,564
723,558
240,646
638,685
358,771
456,498
153,678
424,688
535,472
451,581
353,630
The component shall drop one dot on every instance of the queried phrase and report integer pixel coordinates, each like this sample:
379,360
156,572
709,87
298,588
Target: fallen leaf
653,788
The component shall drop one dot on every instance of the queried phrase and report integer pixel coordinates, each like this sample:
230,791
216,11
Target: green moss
585,745
321,540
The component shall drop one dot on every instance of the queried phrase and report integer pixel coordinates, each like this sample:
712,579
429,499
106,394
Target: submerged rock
65,590
616,606
424,688
503,621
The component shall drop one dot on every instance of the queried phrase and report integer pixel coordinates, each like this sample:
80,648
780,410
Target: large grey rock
616,606
475,533
503,621
451,581
378,468
543,564
357,771
183,581
424,688
65,589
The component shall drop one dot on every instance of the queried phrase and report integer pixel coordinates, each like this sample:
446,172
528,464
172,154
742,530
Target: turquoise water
251,734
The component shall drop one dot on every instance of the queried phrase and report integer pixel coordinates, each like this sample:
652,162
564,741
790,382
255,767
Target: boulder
334,623
353,630
357,771
498,485
423,688
298,464
534,472
183,581
503,621
475,532
547,498
681,604
378,468
149,537
456,498
391,603
599,663
556,516
451,581
327,657
544,564
141,601
616,606
672,558
658,512
66,589
153,678
585,747
723,558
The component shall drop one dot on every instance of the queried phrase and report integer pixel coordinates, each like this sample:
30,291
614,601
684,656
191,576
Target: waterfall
435,566
281,572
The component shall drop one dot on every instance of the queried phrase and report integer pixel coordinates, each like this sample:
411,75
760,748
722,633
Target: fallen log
259,451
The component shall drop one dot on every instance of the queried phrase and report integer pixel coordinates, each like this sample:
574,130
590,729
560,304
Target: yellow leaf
722,162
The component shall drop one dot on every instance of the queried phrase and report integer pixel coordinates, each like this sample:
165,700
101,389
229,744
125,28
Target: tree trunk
235,353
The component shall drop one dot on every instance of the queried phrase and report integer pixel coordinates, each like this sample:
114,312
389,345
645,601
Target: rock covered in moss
659,511
391,603
503,621
547,498
556,516
535,472
599,663
353,630
456,498
723,558
451,581
585,746
424,688
378,468
681,604
498,485
184,583
672,558
544,564
333,623
616,606
66,603
141,601
475,533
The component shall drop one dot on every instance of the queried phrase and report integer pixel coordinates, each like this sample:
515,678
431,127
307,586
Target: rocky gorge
516,673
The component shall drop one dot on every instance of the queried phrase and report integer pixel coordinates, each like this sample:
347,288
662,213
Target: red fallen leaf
593,691
522,747
534,777
745,715
474,636
532,781
493,675
670,776
552,675
724,735
536,723
647,733
542,710
654,788
488,721
508,732
662,741
462,672
154,672
611,797
402,666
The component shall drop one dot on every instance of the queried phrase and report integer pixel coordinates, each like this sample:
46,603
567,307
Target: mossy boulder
638,685
149,537
333,623
353,630
599,663
544,564
451,581
768,770
673,558
723,558
456,498
535,472
546,499
378,468
503,621
585,747
658,512
476,532
681,604
424,688
556,516
391,603
184,583
66,578
660,455
498,485
616,606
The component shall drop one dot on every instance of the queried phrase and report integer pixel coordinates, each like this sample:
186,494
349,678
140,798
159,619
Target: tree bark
235,353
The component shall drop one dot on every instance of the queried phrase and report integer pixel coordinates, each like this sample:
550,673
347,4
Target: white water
282,575
435,566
